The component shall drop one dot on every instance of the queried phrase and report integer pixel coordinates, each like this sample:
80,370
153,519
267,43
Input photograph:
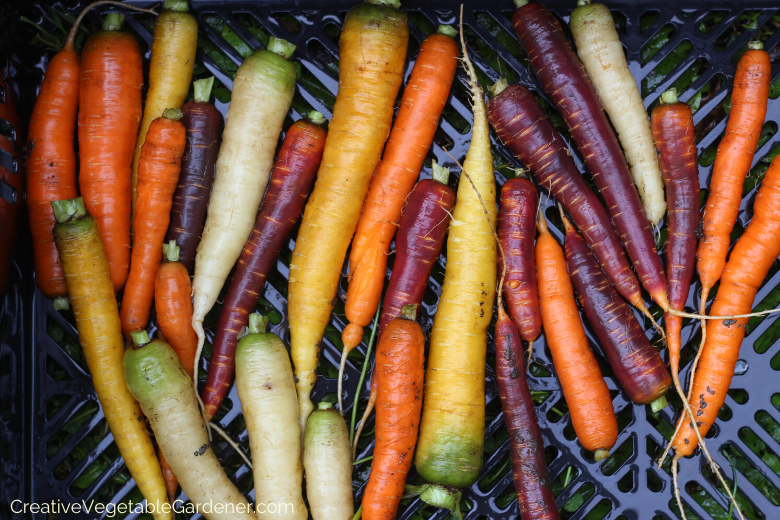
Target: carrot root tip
61,303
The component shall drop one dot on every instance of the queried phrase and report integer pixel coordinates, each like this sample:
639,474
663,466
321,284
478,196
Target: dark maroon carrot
526,445
422,228
522,124
636,363
567,84
516,230
291,180
202,122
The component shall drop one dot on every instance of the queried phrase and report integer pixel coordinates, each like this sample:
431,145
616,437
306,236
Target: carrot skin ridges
532,482
586,392
51,164
516,231
400,377
291,181
636,363
753,255
202,122
564,79
158,174
110,96
522,124
732,162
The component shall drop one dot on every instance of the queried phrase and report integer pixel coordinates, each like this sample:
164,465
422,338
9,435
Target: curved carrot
158,174
291,181
400,376
586,393
415,124
732,162
110,97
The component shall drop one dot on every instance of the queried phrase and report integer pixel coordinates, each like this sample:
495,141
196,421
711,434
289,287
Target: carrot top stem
499,86
409,312
179,6
281,47
659,404
75,27
140,338
171,251
68,210
315,117
202,89
600,454
113,21
174,114
669,97
580,3
395,4
437,495
257,323
440,173
447,30
755,45
324,405
520,3
61,303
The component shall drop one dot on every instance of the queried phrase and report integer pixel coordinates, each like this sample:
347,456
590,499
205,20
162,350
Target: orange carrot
110,111
400,375
586,393
418,117
735,155
158,174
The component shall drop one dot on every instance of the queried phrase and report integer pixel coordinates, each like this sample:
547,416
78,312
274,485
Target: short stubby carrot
586,392
732,162
110,84
400,375
753,255
415,124
158,174
91,293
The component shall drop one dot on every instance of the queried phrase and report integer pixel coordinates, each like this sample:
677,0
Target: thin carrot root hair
677,488
230,442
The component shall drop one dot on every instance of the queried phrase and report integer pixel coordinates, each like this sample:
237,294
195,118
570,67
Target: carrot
202,122
586,393
636,363
161,384
158,175
371,66
423,100
86,268
262,92
532,482
13,180
266,388
110,83
602,55
400,374
174,43
452,430
522,124
516,229
421,232
291,180
564,79
732,163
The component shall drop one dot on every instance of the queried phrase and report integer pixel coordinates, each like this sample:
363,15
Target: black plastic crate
54,446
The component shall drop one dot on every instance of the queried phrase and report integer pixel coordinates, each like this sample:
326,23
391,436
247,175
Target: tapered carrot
586,393
418,117
158,174
109,113
86,268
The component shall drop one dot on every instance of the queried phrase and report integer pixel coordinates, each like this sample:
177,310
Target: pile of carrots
166,204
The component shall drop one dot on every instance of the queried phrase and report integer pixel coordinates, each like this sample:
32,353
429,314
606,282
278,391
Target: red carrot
291,181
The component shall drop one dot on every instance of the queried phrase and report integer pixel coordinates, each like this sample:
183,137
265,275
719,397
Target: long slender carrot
371,63
91,293
421,232
423,100
586,393
400,376
174,43
291,180
110,110
735,154
158,175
